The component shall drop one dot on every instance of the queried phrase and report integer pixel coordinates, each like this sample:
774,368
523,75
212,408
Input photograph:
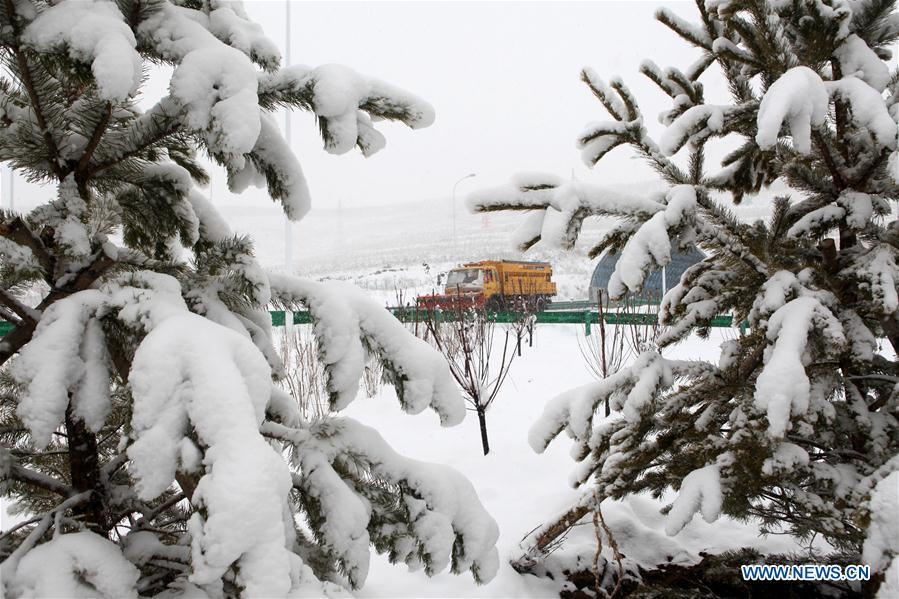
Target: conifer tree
144,439
796,424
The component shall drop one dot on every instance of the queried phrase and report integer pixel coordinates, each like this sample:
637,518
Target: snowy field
395,253
400,250
522,489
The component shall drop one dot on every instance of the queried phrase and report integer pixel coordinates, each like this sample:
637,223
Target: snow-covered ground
522,489
395,253
401,249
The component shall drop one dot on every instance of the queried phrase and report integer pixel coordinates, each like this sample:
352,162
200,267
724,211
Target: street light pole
288,225
7,188
454,205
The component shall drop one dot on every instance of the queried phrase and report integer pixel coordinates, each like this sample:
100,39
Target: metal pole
8,182
469,176
288,225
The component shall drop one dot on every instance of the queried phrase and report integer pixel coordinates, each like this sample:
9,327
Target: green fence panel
584,317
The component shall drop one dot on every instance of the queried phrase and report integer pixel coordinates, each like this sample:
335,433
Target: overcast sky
503,77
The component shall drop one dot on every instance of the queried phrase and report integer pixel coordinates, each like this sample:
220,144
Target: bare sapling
304,372
479,355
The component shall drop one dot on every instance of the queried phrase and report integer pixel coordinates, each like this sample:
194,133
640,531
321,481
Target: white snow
78,565
228,21
799,99
344,318
338,93
651,244
782,389
700,491
868,109
704,119
214,83
599,138
217,87
90,398
879,269
447,516
18,256
188,369
272,150
881,548
51,366
94,32
857,59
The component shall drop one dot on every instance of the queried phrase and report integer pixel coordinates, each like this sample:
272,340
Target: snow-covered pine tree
797,422
144,438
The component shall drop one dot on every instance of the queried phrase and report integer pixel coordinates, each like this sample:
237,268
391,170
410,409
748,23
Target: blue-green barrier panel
584,317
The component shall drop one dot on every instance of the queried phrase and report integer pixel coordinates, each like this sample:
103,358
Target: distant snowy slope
406,246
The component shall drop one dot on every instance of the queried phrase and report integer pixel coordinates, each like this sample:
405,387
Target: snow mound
79,565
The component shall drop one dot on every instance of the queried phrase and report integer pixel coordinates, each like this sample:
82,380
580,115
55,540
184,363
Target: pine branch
97,135
28,81
18,232
19,473
26,314
83,279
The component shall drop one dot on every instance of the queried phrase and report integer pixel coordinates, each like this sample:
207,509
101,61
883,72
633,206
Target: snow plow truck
495,285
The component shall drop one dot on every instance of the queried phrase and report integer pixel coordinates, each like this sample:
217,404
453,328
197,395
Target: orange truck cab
496,285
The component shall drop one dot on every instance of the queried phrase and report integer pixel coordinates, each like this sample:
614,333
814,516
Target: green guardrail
584,317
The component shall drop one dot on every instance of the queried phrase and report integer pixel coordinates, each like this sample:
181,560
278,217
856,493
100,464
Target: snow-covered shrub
797,422
304,372
145,438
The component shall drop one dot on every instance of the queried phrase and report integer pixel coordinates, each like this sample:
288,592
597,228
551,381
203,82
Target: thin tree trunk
84,468
561,526
482,420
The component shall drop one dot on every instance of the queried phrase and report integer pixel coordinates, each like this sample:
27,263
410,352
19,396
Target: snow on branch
857,59
59,360
229,22
191,374
696,124
354,481
649,247
701,295
630,394
78,564
95,33
340,97
867,108
799,98
272,163
561,206
348,324
700,491
881,547
877,273
782,389
214,83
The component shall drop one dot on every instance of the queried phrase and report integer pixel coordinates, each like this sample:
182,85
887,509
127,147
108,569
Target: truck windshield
465,276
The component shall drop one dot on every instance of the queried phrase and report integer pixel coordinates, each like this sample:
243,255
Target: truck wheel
493,304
